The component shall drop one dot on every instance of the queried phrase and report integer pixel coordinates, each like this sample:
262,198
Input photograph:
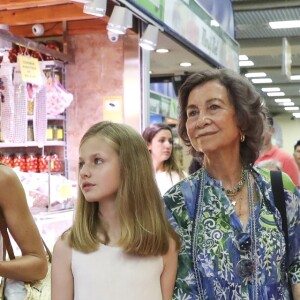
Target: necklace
253,228
233,192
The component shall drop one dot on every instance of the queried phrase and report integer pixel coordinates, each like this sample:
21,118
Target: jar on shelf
43,163
19,160
59,133
30,137
7,159
55,163
32,162
50,133
30,106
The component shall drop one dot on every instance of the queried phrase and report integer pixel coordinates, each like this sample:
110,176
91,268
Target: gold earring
242,138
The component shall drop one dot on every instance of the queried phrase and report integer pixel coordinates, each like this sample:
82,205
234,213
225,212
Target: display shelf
50,118
51,226
32,144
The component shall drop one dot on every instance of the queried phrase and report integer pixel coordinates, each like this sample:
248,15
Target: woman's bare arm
32,265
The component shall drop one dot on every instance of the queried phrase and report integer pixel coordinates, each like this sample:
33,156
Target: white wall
290,131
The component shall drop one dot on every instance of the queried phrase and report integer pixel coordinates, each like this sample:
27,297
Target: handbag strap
7,243
6,240
278,193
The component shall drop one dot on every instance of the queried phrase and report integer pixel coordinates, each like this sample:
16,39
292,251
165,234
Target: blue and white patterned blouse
208,256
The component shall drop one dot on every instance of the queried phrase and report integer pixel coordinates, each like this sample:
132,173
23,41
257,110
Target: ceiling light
246,63
282,100
271,89
95,8
214,23
261,80
295,77
120,20
185,64
252,75
286,103
296,115
148,41
162,50
243,57
292,108
276,94
285,24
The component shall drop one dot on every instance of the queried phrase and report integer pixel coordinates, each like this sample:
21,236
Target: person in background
159,139
121,245
32,264
269,151
296,155
270,164
233,246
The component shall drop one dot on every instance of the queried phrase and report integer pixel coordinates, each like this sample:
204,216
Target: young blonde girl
121,245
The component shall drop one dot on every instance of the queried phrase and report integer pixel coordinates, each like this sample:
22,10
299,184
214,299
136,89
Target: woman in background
159,139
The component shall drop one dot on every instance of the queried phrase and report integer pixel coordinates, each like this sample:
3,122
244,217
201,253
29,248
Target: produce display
47,192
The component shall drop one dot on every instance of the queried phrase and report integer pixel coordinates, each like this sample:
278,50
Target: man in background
271,152
297,155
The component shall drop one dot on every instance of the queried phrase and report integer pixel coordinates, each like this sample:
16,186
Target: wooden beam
19,4
56,29
6,35
45,14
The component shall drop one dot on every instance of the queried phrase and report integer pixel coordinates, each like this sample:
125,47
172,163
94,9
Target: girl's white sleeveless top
110,274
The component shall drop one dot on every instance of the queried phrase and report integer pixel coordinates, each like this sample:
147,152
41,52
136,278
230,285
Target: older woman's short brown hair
247,102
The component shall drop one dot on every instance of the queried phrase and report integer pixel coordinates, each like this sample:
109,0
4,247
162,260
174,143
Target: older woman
233,246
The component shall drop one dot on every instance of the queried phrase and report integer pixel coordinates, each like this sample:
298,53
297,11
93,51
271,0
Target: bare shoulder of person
7,174
61,246
62,243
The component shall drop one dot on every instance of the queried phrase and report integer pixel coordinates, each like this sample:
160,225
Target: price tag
30,69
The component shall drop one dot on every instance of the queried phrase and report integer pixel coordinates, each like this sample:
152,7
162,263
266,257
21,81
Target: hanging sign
30,69
113,109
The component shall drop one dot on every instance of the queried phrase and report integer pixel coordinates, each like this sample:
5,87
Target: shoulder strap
6,240
7,243
278,193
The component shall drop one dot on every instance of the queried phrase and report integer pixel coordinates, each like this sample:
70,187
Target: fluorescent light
282,100
148,41
296,115
276,94
246,63
261,80
252,75
185,64
285,24
243,57
292,108
271,89
295,77
120,20
214,23
162,50
95,8
286,103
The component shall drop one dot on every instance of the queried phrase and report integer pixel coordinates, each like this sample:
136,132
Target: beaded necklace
233,192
